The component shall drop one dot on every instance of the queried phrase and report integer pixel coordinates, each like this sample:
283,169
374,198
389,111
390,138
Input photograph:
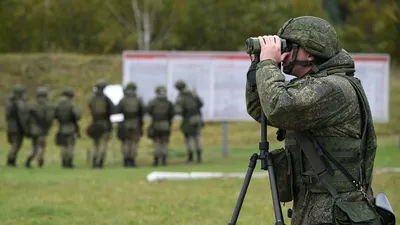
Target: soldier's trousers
67,151
196,139
160,146
100,149
16,143
38,149
129,149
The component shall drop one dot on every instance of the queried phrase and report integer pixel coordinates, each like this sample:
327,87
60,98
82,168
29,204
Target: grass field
115,195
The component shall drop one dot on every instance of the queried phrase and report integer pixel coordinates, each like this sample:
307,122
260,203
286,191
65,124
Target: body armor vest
130,107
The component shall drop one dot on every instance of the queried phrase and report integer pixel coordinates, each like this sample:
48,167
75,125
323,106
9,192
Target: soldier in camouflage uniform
16,119
131,129
322,102
188,105
41,116
161,111
67,114
101,108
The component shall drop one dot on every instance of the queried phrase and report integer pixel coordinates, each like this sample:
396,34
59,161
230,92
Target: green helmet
180,84
42,91
314,34
68,91
161,89
101,84
131,86
18,89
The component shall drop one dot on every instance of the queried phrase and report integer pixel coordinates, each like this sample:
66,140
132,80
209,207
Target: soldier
188,105
101,108
67,114
41,116
327,119
161,111
16,118
131,129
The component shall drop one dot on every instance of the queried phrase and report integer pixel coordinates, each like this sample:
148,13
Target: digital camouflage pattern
67,114
131,129
325,104
101,108
41,116
16,116
161,111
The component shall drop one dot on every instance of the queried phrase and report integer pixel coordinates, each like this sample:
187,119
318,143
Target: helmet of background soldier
161,90
68,91
180,84
100,84
18,90
314,34
131,86
42,91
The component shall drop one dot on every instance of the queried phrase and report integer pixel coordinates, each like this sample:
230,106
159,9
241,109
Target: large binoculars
253,46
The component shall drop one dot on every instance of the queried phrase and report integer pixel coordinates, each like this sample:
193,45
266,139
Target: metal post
225,141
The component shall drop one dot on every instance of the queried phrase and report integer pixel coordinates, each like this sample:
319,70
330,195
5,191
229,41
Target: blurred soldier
188,105
101,108
41,116
16,119
131,129
161,111
67,114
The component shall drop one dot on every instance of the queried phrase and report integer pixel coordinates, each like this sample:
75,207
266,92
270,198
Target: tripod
266,164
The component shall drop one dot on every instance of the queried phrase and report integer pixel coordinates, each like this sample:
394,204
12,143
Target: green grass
116,195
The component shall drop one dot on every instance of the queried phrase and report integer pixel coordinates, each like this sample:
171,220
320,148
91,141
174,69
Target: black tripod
266,164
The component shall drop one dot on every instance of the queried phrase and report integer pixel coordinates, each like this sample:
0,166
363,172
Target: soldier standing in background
67,114
16,117
41,115
101,108
188,106
131,129
161,111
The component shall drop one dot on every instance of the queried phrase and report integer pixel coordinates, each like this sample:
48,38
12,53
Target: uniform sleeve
118,107
149,107
77,112
179,105
306,103
113,108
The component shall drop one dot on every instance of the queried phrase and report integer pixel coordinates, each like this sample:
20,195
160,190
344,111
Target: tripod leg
246,182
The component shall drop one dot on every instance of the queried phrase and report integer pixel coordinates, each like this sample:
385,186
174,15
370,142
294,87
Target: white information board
220,78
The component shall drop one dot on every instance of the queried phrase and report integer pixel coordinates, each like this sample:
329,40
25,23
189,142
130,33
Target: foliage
111,26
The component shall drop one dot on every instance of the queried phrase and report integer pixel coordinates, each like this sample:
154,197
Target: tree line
111,26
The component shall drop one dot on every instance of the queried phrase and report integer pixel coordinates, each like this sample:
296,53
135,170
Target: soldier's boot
94,162
164,160
101,162
132,162
199,156
70,163
28,163
190,157
11,162
126,161
155,161
64,163
40,163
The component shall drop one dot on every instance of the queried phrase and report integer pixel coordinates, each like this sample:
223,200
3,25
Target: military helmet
18,89
314,34
180,84
42,91
101,83
68,91
161,89
131,86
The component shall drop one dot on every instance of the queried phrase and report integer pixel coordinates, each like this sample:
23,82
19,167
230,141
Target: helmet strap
288,69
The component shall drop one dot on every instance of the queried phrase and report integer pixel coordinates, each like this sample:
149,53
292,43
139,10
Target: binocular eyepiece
253,46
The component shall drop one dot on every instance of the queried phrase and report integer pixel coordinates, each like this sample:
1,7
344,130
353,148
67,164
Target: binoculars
253,46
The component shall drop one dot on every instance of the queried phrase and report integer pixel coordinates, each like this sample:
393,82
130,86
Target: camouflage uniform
188,105
16,118
131,129
101,108
41,116
323,103
161,111
67,114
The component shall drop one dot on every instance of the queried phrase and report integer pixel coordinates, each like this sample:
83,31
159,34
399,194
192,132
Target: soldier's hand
270,48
